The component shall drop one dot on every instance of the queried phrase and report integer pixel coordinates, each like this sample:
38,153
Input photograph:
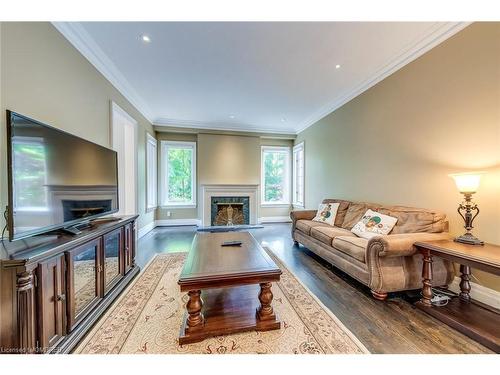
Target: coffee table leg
464,283
427,279
265,311
193,307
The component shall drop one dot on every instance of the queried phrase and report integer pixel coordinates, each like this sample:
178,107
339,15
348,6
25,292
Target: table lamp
467,184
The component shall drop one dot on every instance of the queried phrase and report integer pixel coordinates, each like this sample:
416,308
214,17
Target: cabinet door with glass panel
113,258
129,247
83,280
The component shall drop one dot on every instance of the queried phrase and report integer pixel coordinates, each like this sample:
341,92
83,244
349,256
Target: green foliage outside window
274,176
179,175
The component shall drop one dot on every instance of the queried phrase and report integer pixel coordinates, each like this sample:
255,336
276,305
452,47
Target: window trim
151,142
297,148
286,201
164,175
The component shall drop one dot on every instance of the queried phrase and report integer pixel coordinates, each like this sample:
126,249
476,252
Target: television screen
56,179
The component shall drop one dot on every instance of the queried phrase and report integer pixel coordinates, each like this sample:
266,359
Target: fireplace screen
230,211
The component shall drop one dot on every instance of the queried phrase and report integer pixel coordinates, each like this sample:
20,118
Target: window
30,174
275,175
298,175
179,173
151,172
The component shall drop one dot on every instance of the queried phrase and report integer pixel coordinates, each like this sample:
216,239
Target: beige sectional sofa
385,263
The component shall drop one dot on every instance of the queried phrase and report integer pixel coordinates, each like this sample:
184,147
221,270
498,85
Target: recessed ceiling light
337,66
145,38
231,117
283,119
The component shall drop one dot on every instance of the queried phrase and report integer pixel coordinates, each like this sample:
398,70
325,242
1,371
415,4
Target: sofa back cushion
355,212
416,220
343,206
410,219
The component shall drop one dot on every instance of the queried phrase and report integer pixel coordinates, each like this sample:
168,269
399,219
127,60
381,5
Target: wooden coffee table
229,288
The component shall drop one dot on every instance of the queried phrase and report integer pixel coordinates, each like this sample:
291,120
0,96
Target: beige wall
224,159
44,77
397,142
228,159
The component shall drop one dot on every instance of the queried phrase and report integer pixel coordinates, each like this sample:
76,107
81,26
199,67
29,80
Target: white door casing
124,142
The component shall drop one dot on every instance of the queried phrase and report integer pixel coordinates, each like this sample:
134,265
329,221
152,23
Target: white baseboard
174,222
275,219
478,292
146,229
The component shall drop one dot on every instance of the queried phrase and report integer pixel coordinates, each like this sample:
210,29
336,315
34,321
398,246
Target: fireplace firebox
230,211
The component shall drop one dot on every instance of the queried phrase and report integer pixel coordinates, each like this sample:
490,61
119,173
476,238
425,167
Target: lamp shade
467,182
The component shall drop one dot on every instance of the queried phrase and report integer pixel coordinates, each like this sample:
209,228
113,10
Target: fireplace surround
229,193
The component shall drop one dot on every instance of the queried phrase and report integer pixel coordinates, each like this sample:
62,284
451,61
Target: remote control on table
231,243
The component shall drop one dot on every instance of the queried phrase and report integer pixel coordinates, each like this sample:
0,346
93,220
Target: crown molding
224,126
85,44
435,35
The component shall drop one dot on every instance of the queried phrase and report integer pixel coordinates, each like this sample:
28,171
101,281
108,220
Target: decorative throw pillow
374,224
326,213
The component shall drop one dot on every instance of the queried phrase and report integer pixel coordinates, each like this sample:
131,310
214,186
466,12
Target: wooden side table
472,318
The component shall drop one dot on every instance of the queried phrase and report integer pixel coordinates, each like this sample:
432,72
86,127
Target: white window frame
299,203
151,172
165,145
286,201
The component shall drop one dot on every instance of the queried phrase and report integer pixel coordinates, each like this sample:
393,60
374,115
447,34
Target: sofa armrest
301,215
397,245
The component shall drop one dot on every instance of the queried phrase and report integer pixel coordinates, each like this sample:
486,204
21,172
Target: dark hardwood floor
393,326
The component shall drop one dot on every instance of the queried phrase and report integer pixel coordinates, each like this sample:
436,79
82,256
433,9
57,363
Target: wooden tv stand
54,288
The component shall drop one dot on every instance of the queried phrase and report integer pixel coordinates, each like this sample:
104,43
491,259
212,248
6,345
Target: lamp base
469,239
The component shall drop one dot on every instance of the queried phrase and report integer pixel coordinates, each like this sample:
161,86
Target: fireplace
242,199
230,210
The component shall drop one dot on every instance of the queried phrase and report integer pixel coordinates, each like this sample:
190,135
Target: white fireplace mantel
228,190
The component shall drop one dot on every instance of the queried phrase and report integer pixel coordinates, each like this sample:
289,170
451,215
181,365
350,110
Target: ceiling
276,77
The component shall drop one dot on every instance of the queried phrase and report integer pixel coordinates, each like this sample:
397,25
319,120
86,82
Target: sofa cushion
352,246
305,225
416,220
355,212
341,211
326,213
374,224
326,235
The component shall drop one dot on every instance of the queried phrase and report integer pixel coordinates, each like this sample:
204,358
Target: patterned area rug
148,316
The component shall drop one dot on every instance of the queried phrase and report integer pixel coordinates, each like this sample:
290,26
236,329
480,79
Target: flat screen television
56,180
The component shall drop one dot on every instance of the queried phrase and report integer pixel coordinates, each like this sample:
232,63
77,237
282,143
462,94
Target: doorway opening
124,142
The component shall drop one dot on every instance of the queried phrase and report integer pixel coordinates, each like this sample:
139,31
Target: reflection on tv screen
57,179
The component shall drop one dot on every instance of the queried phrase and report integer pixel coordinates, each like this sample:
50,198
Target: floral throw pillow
327,213
374,224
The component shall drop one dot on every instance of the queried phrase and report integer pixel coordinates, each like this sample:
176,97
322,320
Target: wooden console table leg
193,307
265,311
427,278
464,283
